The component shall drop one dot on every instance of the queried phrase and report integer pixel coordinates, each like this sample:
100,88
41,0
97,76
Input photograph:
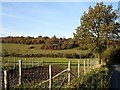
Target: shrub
74,55
31,47
105,55
97,79
87,55
111,55
5,53
115,56
68,55
12,54
59,55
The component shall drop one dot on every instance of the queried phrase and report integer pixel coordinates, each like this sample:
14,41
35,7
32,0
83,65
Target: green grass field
23,49
47,60
10,61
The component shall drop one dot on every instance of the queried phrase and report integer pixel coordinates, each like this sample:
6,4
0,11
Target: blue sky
43,18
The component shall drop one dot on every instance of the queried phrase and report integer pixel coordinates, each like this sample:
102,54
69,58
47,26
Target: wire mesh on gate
13,77
31,75
61,79
34,75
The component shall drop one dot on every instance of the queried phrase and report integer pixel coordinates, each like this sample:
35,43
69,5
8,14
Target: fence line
13,64
86,68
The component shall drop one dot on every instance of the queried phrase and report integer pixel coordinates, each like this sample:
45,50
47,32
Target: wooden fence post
20,72
78,68
69,73
50,77
84,66
6,80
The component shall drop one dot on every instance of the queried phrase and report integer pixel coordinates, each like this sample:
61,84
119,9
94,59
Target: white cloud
11,32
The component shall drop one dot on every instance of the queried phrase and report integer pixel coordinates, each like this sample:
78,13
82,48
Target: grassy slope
22,48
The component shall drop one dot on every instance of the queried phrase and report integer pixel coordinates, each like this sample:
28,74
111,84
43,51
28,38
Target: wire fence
24,74
12,63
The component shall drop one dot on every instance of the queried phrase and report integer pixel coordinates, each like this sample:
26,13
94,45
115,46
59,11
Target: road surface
115,79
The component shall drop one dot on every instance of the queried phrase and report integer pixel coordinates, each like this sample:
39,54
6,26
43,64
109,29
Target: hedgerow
96,79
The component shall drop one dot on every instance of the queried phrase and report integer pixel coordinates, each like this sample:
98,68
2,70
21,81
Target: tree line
53,43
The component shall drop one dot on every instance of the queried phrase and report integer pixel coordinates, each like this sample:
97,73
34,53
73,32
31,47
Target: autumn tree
97,28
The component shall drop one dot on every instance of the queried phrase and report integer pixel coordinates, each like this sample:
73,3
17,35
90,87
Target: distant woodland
53,43
47,43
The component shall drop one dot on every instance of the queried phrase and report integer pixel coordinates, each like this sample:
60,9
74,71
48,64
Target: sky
42,18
